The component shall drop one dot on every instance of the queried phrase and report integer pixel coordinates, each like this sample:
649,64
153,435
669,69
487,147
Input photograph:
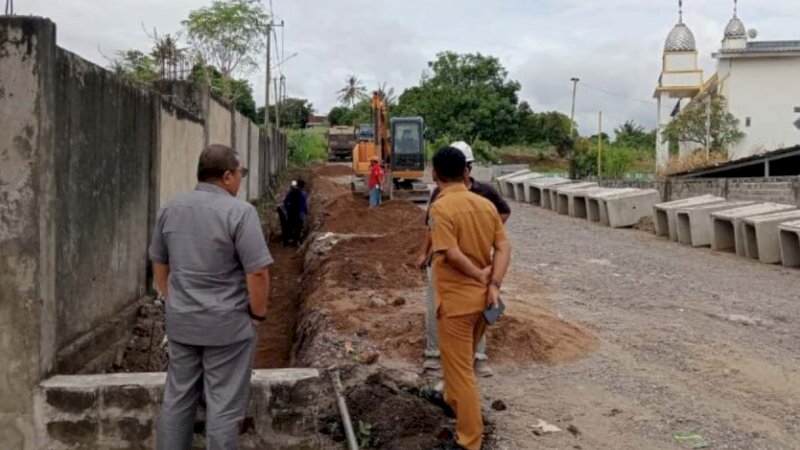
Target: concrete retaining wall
119,411
86,159
182,140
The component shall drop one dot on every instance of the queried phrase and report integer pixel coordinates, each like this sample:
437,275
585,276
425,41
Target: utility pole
708,127
9,7
600,146
268,80
572,116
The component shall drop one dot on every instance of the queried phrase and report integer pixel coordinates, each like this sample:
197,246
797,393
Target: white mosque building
759,79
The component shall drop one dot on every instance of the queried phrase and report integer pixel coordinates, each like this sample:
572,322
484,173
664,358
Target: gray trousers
222,375
431,329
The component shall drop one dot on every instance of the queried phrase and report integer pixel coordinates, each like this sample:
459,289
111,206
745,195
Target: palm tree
388,95
353,91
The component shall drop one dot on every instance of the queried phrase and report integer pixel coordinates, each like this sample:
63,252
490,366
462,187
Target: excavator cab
408,146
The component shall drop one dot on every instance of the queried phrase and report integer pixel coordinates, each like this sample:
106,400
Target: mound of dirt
334,170
375,262
350,215
144,352
542,338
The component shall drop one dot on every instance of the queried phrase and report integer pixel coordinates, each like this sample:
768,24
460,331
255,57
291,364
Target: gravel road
690,341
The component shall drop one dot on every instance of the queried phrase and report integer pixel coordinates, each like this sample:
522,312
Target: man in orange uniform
471,254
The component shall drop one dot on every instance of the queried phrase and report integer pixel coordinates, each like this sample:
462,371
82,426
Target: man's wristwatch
256,317
495,283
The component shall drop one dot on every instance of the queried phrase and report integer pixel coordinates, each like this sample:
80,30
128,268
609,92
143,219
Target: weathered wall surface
219,123
242,147
85,158
779,190
27,190
181,141
102,155
255,182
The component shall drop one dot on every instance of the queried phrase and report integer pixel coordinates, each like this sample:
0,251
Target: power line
614,94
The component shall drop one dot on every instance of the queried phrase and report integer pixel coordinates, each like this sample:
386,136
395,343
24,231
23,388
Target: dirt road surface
690,341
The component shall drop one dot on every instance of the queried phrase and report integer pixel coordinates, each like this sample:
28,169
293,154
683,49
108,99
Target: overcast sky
613,45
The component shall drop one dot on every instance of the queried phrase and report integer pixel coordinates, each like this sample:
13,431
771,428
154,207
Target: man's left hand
255,323
492,296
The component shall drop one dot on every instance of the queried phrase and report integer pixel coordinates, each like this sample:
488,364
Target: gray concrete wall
181,141
219,123
254,182
27,222
241,143
105,136
778,190
85,158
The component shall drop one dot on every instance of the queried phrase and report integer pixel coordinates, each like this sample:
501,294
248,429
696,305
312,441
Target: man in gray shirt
210,261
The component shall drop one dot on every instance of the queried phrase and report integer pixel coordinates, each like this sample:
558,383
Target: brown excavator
400,146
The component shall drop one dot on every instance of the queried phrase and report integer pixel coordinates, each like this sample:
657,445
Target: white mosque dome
680,39
735,29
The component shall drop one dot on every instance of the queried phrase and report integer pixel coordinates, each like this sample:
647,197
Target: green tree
230,36
632,135
691,125
238,92
389,97
551,128
135,65
465,96
338,115
294,113
352,92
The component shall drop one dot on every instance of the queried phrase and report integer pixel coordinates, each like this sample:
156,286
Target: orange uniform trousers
458,339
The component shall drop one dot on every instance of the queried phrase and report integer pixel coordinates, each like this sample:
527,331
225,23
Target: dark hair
449,164
215,160
301,184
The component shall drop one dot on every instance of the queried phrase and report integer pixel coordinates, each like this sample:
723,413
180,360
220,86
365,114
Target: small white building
759,79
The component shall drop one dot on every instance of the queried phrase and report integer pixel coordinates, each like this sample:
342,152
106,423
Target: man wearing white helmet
488,192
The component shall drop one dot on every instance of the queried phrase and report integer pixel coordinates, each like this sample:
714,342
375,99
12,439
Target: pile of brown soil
334,170
375,262
144,352
645,224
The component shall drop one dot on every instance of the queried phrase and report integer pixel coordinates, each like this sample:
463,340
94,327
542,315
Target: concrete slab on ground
761,238
789,235
538,193
665,215
557,191
694,222
518,185
727,230
596,201
627,209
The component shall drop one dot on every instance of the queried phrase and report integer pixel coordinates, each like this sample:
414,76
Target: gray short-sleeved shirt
210,240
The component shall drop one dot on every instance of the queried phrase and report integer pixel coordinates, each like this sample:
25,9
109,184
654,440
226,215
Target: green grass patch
306,146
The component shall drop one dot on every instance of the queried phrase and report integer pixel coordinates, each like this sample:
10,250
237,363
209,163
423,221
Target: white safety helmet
465,149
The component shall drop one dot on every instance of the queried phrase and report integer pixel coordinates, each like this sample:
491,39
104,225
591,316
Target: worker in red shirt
375,182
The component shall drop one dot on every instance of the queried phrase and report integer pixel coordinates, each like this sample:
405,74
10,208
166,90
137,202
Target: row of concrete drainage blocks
769,232
614,207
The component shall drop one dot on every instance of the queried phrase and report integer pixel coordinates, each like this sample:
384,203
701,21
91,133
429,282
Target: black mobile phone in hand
493,313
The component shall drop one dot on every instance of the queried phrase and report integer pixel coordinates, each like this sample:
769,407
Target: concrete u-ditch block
727,229
120,410
627,209
539,190
789,235
665,215
577,201
595,204
501,181
694,222
762,240
559,200
518,185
